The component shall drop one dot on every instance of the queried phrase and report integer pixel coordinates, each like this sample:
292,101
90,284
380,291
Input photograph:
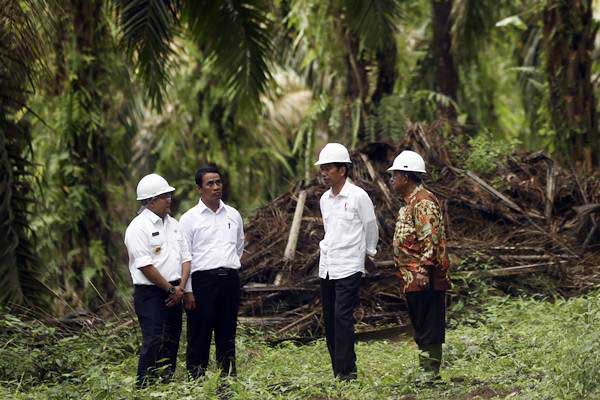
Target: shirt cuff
371,252
142,262
188,285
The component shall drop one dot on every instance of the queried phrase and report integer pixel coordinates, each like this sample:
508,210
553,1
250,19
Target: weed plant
518,349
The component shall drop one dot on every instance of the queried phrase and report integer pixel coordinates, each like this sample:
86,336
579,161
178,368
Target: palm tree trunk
446,76
87,142
569,33
20,268
386,76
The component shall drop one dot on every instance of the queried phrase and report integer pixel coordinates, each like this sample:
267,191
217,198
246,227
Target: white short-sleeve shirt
151,240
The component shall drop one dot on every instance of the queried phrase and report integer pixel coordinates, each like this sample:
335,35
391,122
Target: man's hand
189,302
421,280
175,298
370,263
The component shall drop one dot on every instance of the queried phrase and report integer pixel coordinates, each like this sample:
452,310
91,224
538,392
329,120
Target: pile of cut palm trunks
529,218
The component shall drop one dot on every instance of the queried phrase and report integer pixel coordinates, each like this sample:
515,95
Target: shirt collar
151,216
345,192
203,207
414,192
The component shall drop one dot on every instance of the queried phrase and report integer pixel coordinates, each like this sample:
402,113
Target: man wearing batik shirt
420,256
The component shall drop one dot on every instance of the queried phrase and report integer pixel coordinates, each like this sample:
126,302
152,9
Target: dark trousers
427,312
217,294
161,329
339,298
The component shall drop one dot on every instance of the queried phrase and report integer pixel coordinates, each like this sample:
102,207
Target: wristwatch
171,289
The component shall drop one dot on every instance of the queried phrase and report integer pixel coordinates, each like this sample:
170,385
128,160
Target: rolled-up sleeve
138,247
241,238
184,248
367,215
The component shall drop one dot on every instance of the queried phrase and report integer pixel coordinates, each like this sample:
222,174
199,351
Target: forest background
94,94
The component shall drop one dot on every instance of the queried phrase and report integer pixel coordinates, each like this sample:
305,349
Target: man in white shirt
350,233
214,232
159,263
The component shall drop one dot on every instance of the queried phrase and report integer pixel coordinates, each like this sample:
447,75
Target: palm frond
148,28
237,35
373,20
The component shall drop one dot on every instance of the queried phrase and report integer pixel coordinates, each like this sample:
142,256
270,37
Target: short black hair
203,170
348,166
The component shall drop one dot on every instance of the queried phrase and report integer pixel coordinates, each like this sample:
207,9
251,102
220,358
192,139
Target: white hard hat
408,161
333,153
152,185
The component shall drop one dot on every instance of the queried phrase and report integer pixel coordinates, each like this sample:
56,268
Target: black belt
221,271
152,285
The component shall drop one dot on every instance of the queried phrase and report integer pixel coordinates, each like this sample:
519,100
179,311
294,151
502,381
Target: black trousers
161,330
339,298
427,312
217,294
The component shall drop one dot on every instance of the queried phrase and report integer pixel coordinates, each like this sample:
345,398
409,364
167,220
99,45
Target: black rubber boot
430,360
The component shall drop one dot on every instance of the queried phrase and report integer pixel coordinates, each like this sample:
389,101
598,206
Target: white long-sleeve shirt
350,232
215,239
150,240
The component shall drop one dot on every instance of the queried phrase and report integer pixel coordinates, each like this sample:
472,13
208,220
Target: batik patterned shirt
420,243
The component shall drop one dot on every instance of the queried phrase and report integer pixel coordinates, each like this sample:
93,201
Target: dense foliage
519,348
125,88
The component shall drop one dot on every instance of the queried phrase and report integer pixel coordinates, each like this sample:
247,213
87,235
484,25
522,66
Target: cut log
550,190
290,248
382,186
298,323
518,270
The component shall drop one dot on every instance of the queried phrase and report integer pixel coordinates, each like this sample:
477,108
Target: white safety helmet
408,161
333,153
151,186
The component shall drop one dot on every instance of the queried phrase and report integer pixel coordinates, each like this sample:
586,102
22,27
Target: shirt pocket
157,244
230,235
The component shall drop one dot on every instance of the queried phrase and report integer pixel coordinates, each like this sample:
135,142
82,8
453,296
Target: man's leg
168,357
201,323
226,321
149,307
346,300
328,304
427,314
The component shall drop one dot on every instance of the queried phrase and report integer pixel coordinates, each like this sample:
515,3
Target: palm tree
569,34
20,272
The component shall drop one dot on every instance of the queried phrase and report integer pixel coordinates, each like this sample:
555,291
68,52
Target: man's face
161,204
212,187
398,180
332,174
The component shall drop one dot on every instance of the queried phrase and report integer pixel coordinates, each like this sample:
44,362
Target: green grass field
516,349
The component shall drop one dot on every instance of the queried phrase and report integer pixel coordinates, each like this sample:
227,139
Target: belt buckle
222,271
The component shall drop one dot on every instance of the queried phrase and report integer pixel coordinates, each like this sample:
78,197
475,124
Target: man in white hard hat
215,233
350,234
159,263
420,256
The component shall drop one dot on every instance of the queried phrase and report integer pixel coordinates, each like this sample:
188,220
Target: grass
519,349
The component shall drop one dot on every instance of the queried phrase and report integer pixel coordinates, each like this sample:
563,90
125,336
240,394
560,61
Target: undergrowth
518,348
